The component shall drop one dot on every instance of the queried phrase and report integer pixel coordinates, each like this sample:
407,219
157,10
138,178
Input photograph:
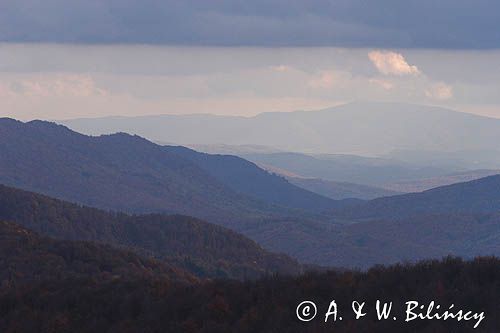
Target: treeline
266,305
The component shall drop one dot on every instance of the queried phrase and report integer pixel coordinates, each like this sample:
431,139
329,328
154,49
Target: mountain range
340,176
345,168
460,219
247,178
363,128
340,190
128,173
326,174
429,183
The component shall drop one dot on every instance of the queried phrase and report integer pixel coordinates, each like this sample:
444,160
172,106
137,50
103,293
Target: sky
455,24
70,59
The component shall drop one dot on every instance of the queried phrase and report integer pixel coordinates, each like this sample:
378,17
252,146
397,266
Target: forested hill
267,305
128,173
473,197
201,248
119,172
245,177
27,257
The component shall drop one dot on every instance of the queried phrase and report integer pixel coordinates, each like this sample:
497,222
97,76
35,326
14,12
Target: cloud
330,78
387,85
281,68
324,80
149,80
392,63
51,85
453,24
439,91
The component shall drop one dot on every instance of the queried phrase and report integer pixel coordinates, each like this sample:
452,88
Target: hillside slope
28,257
476,196
118,172
461,219
247,178
128,173
212,251
204,249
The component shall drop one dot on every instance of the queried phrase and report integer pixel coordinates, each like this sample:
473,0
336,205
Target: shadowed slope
204,249
29,257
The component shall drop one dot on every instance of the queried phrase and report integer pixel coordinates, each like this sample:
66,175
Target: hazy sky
132,57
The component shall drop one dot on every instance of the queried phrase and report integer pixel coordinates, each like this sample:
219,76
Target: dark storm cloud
468,24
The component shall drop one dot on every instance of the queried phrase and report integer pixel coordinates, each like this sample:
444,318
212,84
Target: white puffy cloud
392,63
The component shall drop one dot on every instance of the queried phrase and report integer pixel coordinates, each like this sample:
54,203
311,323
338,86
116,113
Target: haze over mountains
345,168
356,128
429,183
189,166
463,159
130,174
411,147
340,190
124,172
356,172
245,177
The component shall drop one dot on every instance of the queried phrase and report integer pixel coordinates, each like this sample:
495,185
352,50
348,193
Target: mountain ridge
96,171
361,127
341,190
340,237
246,177
475,196
201,248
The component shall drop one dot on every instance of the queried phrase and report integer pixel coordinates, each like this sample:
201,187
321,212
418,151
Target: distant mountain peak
363,128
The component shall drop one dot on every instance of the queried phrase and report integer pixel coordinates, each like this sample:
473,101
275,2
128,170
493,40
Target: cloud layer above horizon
446,24
68,81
